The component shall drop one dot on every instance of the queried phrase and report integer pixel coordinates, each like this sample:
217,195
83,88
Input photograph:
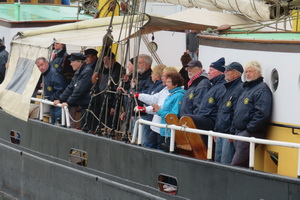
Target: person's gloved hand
140,108
135,95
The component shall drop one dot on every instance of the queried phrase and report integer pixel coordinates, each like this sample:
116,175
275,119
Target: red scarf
194,78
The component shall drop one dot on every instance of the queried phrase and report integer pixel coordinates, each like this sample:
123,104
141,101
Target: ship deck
16,13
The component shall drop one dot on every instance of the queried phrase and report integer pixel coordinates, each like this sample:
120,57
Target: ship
39,160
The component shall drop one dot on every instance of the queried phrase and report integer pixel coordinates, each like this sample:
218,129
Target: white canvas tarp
21,79
257,10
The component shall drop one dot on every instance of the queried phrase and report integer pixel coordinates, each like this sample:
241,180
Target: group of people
216,100
65,86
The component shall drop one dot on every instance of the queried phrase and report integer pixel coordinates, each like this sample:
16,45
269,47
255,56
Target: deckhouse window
274,80
78,157
167,184
15,137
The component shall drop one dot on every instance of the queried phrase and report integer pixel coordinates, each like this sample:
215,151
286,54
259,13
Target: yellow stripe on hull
287,157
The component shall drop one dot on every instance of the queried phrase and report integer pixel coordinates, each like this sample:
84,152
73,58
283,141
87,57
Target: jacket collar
218,79
145,75
48,70
229,84
253,83
2,48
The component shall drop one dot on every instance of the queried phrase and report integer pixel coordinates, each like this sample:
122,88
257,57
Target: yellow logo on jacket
56,66
228,104
211,100
246,101
49,88
191,96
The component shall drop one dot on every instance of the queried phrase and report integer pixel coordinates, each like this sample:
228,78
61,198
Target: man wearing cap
3,61
205,115
53,85
91,58
252,113
77,92
233,88
198,86
109,81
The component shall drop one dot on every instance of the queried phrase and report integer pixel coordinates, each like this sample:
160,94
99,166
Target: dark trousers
153,140
241,155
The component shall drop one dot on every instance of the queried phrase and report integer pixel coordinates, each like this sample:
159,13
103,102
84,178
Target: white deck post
134,131
140,134
172,140
41,116
251,154
209,148
63,119
67,116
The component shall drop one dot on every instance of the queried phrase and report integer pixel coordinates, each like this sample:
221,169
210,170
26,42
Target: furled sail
257,10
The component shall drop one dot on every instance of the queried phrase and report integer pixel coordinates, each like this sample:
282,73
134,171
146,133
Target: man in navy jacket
252,113
233,88
77,92
53,84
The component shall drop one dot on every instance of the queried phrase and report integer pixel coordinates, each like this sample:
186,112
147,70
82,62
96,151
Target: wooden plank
195,140
181,140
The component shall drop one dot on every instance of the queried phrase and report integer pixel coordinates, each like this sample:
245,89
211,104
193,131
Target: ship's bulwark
124,171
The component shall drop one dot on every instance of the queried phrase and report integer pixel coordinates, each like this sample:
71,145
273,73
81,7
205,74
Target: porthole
274,80
167,184
15,137
78,157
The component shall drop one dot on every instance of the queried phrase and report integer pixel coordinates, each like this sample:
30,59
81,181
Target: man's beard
140,71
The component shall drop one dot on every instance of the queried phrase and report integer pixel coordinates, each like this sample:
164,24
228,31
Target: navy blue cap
194,63
219,64
90,51
235,65
76,56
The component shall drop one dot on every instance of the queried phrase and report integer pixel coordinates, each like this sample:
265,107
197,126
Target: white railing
211,134
65,118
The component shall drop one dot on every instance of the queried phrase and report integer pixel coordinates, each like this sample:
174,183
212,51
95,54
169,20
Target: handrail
293,127
65,119
211,134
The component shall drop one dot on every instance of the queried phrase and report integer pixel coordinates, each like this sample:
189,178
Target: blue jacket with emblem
210,102
54,84
57,62
78,91
253,109
194,95
228,105
172,105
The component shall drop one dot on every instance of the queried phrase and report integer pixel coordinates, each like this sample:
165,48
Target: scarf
194,78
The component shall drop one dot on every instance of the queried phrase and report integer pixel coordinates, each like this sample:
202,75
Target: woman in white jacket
158,98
